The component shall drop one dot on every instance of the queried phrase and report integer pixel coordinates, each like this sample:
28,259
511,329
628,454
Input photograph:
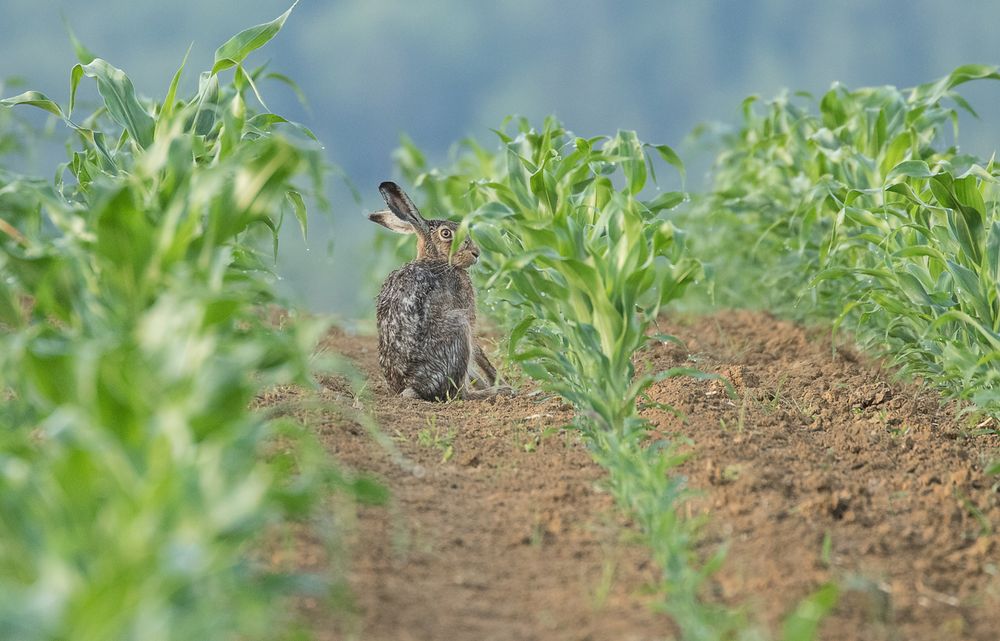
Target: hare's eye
446,233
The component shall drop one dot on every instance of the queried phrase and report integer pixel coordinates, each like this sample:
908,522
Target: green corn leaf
961,231
670,156
910,169
913,251
517,334
267,120
666,200
75,76
935,91
490,241
632,160
241,77
973,207
170,100
120,100
964,104
294,86
968,321
83,55
971,291
97,139
993,251
299,206
880,132
913,289
943,187
235,50
895,153
34,99
208,98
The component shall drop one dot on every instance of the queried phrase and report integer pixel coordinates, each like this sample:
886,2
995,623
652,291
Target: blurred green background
441,70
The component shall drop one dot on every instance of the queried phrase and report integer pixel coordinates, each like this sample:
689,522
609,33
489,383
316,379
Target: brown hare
426,311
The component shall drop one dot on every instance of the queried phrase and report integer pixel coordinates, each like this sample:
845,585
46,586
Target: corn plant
134,489
782,179
601,263
929,296
857,209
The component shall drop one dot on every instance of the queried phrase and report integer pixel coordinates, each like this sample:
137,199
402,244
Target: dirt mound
824,469
821,469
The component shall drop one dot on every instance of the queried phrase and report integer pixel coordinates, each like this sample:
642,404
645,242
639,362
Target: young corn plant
602,264
576,266
134,492
857,210
796,175
929,299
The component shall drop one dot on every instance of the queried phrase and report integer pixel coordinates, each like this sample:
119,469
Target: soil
821,444
820,468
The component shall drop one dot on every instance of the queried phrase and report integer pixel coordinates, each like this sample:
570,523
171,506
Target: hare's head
434,237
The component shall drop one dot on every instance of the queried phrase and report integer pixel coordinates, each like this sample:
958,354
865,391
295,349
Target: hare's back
413,301
423,329
403,305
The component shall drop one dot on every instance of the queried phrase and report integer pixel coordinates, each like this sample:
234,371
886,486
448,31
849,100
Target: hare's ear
401,205
389,220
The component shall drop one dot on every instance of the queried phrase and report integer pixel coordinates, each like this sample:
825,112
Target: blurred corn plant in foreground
857,209
136,487
576,265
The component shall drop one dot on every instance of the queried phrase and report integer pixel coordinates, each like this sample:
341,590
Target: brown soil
822,444
498,527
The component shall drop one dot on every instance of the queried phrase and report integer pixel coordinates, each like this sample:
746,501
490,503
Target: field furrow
821,469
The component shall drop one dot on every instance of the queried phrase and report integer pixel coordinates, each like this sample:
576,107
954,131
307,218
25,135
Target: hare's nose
475,251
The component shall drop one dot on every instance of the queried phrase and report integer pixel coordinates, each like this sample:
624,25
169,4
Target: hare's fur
426,311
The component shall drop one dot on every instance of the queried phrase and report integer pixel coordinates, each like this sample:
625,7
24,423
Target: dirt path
498,528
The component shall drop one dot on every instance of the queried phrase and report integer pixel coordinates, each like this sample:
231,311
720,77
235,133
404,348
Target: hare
426,311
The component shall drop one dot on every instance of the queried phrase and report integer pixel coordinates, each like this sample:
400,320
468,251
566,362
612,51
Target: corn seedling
855,209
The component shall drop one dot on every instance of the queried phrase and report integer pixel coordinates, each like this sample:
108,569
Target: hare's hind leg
482,375
482,381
